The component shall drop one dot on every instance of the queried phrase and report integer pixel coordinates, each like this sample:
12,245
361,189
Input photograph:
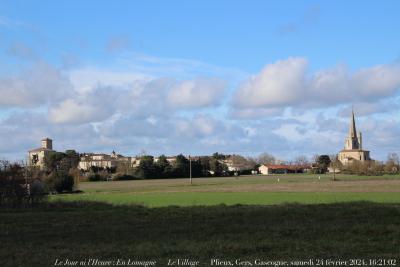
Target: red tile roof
287,167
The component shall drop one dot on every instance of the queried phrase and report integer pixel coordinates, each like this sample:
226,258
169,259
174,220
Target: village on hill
100,166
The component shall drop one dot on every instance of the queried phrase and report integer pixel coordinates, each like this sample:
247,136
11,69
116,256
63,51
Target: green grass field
232,198
249,190
81,231
230,219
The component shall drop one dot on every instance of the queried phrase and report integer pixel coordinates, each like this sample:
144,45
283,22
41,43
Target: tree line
23,184
149,168
20,183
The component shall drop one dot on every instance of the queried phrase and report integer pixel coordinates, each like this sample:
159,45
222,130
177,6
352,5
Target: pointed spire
352,141
352,130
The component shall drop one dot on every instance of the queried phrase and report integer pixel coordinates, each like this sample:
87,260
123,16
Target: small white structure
333,170
264,169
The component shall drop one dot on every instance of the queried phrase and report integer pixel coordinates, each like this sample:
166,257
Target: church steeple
353,147
352,130
352,141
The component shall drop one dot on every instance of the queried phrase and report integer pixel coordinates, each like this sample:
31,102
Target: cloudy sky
196,77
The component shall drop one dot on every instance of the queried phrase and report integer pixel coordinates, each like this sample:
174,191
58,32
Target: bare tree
315,158
335,165
265,158
238,160
301,160
394,157
392,163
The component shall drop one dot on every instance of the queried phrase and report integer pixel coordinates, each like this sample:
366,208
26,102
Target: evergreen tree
147,169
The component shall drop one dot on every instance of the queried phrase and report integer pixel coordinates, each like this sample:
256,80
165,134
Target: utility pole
190,169
334,170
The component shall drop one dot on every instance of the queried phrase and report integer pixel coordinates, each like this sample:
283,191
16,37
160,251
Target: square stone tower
47,143
37,156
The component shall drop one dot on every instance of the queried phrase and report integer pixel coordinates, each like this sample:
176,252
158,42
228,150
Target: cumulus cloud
37,86
371,108
197,93
260,113
93,109
285,83
338,85
278,84
149,98
200,126
378,81
291,132
137,98
93,105
22,131
73,111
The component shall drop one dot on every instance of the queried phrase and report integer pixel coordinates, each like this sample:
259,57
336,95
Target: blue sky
199,76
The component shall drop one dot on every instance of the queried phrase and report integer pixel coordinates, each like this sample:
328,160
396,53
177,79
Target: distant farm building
269,169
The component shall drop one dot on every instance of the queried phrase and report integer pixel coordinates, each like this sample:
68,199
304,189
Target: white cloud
278,84
338,85
378,81
384,106
72,111
140,99
85,79
200,126
290,131
260,113
285,83
197,93
95,105
92,109
38,86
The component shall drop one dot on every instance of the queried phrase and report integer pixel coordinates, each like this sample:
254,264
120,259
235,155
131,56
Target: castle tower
47,143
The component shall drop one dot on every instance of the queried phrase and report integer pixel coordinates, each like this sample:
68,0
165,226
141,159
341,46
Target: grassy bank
231,198
80,231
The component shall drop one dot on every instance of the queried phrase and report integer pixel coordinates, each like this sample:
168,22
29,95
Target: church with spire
353,149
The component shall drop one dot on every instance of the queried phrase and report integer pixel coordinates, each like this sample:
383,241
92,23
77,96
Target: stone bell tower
47,143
